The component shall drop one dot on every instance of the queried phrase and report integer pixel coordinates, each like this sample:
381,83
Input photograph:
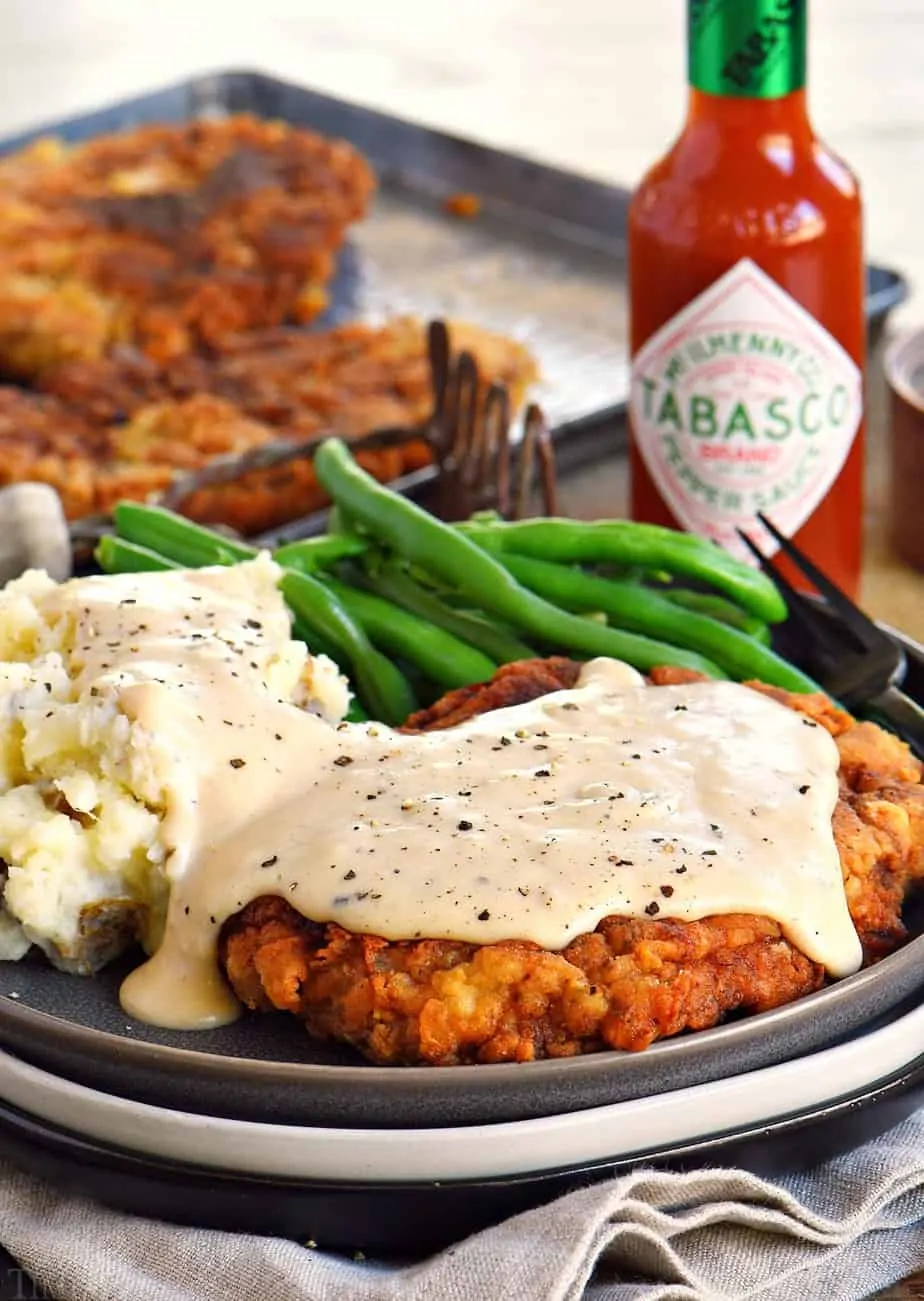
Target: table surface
588,84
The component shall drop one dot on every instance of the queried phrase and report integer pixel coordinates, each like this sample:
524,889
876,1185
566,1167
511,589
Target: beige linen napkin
838,1233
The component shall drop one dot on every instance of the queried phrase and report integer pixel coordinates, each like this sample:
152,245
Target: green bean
188,544
380,684
116,556
390,580
644,611
717,607
443,658
308,555
622,542
456,559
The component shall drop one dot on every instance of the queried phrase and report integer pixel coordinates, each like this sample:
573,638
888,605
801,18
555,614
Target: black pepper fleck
667,891
804,790
237,763
653,908
484,915
464,825
270,862
343,760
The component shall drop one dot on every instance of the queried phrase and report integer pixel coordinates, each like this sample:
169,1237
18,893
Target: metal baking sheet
543,261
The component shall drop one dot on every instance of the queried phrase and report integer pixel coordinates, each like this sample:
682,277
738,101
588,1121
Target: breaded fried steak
124,427
169,237
626,984
154,288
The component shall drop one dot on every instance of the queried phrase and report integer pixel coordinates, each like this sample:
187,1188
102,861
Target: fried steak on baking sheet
630,982
154,284
144,422
169,238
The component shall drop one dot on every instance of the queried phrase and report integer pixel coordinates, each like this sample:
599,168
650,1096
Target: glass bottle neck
786,113
747,49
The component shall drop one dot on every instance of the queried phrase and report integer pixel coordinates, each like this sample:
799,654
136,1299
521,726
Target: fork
851,657
482,464
481,461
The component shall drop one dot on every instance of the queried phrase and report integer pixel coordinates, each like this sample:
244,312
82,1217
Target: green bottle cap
749,49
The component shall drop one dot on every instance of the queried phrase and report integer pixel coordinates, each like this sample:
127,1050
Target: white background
595,85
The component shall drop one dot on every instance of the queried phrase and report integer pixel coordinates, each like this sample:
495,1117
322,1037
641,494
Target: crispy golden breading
347,380
169,237
154,282
512,684
626,984
136,424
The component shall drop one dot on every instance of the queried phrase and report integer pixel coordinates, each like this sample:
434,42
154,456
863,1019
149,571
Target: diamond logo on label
744,403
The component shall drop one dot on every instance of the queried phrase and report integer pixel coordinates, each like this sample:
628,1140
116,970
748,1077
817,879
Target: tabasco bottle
747,303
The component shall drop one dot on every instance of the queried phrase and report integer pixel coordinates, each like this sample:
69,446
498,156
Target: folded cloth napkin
837,1233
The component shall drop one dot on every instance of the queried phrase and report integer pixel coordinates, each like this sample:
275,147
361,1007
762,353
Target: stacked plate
256,1128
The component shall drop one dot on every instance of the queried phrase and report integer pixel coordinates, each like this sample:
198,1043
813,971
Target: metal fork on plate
482,462
855,660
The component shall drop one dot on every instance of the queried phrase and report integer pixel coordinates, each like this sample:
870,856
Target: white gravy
533,822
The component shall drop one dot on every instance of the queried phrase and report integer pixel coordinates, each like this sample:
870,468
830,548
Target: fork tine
536,434
862,627
497,474
465,393
475,462
438,354
812,622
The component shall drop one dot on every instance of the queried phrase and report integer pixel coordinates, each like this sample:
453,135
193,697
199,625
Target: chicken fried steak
124,426
170,238
626,984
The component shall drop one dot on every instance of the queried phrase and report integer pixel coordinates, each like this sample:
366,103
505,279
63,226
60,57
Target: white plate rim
470,1152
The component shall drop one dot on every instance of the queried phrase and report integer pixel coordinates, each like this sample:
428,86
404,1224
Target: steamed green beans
624,543
443,658
644,611
458,561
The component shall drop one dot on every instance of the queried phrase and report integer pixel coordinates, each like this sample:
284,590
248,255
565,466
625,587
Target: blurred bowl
885,290
904,371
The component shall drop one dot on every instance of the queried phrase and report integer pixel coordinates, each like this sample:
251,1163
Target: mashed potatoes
100,686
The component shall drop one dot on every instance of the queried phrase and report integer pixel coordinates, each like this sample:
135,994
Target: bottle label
744,403
747,48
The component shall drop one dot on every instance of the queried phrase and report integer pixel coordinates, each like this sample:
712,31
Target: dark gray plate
266,1068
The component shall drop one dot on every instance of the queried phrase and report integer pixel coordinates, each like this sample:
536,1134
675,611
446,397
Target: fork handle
900,714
